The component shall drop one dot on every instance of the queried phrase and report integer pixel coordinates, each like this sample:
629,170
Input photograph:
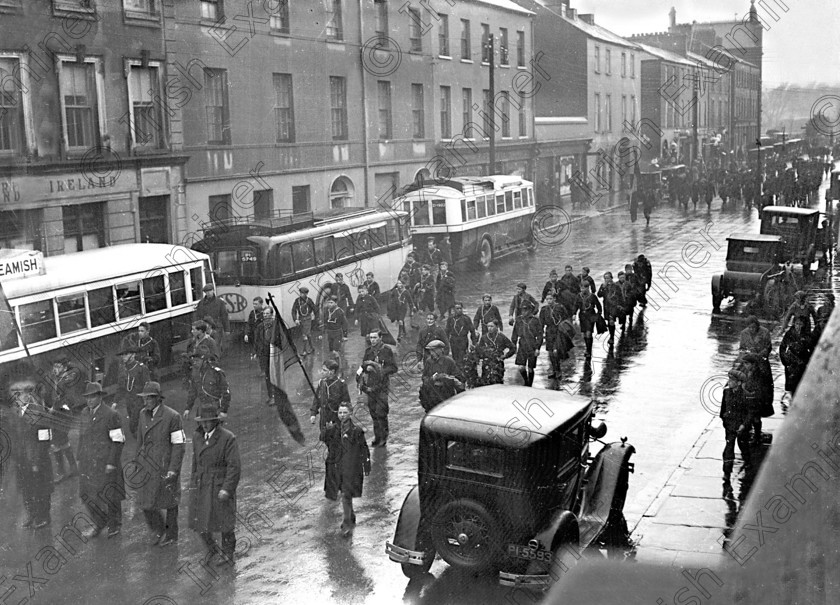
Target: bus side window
491,205
71,313
471,210
481,206
343,246
37,321
378,238
128,299
324,253
508,200
177,288
361,242
154,293
8,338
101,303
393,231
281,256
304,255
517,199
500,203
463,211
438,212
530,197
195,281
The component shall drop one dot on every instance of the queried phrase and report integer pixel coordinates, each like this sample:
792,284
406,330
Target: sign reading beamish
15,264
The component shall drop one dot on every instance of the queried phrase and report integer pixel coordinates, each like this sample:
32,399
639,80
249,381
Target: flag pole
291,342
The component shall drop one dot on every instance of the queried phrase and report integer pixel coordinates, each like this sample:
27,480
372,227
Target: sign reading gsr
236,303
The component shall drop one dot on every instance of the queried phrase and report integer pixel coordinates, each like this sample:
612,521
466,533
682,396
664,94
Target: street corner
551,226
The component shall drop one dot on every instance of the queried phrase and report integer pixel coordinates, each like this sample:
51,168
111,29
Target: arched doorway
342,193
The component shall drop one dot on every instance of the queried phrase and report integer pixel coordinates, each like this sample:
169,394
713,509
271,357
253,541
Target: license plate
526,552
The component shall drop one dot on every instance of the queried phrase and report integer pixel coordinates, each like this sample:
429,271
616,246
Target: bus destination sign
15,264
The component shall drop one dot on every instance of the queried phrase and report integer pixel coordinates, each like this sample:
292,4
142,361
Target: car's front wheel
466,535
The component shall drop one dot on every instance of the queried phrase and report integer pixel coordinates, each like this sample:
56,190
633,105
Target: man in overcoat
213,482
157,471
101,483
216,308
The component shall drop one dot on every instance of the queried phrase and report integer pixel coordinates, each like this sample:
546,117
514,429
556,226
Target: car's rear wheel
465,535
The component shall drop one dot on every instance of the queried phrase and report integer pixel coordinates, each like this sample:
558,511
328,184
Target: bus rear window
226,263
71,313
195,280
281,257
37,321
508,200
101,303
324,252
480,206
248,263
304,255
517,199
438,212
154,293
128,299
177,288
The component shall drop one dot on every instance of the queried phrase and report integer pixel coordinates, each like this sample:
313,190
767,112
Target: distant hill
789,106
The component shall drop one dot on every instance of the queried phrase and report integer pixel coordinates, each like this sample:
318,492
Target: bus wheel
485,254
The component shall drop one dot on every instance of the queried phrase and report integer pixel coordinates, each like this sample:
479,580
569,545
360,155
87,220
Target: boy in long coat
213,482
348,462
157,472
101,482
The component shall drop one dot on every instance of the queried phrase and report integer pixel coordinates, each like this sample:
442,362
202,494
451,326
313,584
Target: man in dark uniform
132,376
445,290
521,299
460,331
199,337
632,291
213,481
374,376
330,392
644,277
552,285
217,309
371,285
304,314
31,433
432,257
613,303
441,378
585,277
737,419
486,314
160,452
148,350
424,292
431,331
589,308
367,312
528,338
412,267
628,296
342,291
209,384
255,318
335,325
569,282
551,316
65,400
492,349
101,483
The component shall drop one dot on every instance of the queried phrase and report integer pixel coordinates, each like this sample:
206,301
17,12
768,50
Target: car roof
755,237
791,210
514,414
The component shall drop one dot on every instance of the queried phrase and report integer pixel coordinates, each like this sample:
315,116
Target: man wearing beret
217,309
156,473
101,440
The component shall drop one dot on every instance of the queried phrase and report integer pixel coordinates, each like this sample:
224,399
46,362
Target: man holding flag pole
281,341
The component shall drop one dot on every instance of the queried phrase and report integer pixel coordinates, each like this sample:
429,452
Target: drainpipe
364,102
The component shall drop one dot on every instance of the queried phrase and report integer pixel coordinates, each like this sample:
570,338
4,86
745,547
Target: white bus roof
347,226
461,186
89,266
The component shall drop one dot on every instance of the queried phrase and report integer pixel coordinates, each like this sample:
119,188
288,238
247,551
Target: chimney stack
673,15
588,18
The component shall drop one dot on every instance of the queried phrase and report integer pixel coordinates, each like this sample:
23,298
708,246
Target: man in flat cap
157,471
441,376
101,484
217,309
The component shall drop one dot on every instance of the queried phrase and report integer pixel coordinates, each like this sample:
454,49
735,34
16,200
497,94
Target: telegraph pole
492,108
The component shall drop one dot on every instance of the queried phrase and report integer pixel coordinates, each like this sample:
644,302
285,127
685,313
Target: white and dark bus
484,217
83,304
278,256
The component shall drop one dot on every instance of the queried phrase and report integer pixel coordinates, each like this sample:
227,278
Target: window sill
445,57
77,12
131,16
11,8
415,51
279,32
470,61
504,65
523,67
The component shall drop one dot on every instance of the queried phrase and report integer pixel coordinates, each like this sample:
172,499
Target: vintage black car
798,229
752,267
506,484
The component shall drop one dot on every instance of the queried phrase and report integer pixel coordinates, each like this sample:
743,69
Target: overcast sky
802,47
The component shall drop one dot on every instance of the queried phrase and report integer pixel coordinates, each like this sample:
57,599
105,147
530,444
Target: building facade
86,158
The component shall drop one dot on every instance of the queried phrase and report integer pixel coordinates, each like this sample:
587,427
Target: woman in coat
348,462
795,352
213,482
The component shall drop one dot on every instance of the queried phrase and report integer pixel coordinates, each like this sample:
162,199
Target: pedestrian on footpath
431,331
644,277
424,291
528,338
492,349
737,416
160,452
460,332
255,318
199,338
486,314
335,325
795,353
374,376
400,302
217,309
648,201
348,463
628,294
441,377
214,478
305,314
132,376
101,483
30,435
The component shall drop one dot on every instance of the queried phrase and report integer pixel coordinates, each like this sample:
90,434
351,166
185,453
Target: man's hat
304,290
522,285
208,411
92,388
151,388
208,288
436,344
128,349
210,321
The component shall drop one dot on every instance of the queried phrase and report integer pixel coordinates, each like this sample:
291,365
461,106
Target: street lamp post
492,108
